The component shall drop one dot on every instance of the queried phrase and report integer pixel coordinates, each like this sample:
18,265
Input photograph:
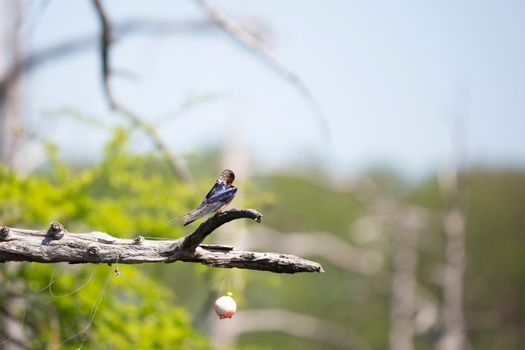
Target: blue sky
390,77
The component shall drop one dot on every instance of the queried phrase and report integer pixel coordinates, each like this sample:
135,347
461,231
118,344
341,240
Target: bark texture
56,245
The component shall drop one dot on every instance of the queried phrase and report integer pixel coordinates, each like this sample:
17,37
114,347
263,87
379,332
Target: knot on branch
4,232
93,250
138,240
56,230
258,218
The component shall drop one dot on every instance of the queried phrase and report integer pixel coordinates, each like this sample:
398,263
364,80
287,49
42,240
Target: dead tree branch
57,245
406,221
261,50
83,43
193,240
106,39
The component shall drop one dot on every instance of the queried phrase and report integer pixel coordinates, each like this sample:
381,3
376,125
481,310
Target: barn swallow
220,195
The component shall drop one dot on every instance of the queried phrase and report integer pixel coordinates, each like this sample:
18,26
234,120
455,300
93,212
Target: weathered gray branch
57,245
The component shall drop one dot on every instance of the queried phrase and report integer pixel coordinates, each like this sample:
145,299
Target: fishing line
73,291
93,312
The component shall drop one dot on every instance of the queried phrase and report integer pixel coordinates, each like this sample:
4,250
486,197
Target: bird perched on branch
220,195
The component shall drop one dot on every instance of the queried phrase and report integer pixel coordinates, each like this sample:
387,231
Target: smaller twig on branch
193,240
57,245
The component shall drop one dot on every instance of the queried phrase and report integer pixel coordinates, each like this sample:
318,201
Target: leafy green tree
100,307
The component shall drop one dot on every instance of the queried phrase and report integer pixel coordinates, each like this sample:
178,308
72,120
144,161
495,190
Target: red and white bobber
225,306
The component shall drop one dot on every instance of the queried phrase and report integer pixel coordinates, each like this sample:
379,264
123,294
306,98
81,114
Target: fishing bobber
225,306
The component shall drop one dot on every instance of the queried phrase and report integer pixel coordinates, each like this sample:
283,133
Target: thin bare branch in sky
106,39
260,49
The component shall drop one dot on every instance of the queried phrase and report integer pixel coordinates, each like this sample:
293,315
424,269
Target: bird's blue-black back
220,193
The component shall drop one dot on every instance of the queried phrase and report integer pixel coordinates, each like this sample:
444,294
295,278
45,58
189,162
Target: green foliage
128,311
125,195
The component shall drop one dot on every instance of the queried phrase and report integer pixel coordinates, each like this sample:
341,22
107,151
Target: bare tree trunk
3,72
406,222
454,337
403,287
13,301
11,110
452,310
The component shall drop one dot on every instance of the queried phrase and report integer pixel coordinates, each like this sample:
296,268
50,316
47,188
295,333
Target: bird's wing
217,188
210,204
197,214
222,197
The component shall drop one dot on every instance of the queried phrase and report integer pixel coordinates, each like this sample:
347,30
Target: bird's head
227,176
